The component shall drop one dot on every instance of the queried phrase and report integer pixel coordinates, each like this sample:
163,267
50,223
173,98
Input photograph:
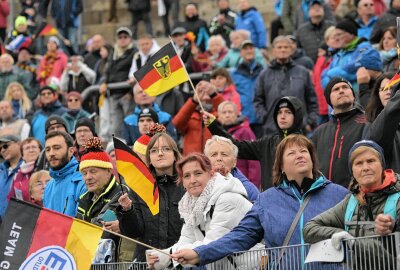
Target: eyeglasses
164,149
46,94
369,5
30,147
4,146
73,100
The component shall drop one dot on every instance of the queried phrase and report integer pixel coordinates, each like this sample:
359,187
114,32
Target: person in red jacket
189,120
4,12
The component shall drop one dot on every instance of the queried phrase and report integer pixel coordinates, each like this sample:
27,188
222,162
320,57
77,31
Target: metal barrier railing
363,253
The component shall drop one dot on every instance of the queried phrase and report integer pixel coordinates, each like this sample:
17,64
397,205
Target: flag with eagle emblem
163,71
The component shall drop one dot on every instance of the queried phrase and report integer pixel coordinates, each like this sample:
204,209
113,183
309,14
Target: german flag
48,30
36,238
163,71
137,176
393,81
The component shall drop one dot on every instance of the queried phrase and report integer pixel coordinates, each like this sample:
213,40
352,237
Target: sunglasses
73,100
4,146
46,94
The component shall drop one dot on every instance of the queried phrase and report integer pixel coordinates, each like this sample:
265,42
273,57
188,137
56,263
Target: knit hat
20,20
348,26
331,84
95,156
368,143
53,120
372,62
86,122
140,146
55,40
74,94
148,112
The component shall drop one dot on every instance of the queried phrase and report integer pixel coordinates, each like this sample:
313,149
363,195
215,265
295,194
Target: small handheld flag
137,176
163,71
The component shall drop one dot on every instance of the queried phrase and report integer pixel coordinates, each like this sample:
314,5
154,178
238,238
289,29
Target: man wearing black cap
145,102
11,154
334,139
117,71
346,62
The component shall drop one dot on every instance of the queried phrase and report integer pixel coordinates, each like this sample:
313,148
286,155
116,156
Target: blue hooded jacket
6,180
252,21
62,192
271,216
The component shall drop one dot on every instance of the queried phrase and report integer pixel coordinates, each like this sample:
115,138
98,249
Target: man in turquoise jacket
66,186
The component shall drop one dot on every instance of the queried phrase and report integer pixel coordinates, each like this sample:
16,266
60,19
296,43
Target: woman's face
367,169
30,151
384,94
162,155
333,41
296,162
219,82
103,52
222,157
38,188
16,92
389,41
51,46
194,178
215,47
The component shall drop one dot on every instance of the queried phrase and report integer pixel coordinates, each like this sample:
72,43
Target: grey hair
224,103
241,32
218,38
280,39
220,139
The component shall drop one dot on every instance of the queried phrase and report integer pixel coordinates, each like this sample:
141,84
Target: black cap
331,84
86,122
348,26
55,119
178,30
148,112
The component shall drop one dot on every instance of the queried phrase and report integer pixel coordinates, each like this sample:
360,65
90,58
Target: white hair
219,139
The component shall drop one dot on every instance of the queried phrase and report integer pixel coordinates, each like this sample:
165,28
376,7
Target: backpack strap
351,207
391,205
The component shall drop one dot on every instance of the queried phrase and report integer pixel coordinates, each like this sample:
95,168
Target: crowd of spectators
268,125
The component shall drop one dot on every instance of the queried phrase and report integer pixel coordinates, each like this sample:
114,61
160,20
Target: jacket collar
70,168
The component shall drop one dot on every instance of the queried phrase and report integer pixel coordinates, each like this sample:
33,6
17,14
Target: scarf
49,60
191,208
119,52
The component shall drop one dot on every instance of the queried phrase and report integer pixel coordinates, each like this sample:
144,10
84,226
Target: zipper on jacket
340,147
333,150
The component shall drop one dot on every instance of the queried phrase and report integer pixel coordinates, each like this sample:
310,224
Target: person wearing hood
299,189
147,47
347,126
354,51
49,105
385,21
374,198
288,118
284,78
298,55
251,20
77,76
210,208
238,126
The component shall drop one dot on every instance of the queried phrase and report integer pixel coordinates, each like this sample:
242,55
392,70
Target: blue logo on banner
49,258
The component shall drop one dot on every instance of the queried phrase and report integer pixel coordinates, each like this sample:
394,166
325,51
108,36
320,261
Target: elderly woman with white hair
223,155
208,60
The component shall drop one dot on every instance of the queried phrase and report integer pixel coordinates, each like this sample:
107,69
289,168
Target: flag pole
398,37
190,80
136,241
117,174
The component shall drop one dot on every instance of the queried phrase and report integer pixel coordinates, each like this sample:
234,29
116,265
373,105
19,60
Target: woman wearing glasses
383,112
163,229
30,149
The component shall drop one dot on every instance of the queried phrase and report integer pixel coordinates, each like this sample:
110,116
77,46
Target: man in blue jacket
11,153
66,185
